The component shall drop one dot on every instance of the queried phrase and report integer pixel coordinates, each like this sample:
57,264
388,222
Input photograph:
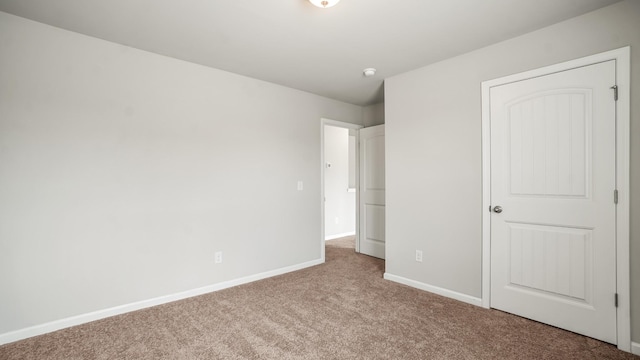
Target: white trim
338,236
623,154
623,80
345,125
635,348
435,289
486,197
122,309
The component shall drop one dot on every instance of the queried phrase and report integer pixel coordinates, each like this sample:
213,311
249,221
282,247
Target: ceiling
293,43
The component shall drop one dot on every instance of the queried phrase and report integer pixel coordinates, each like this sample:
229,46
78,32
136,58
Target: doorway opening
339,177
339,182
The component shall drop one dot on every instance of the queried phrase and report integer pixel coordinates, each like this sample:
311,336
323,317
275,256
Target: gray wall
373,115
433,129
122,172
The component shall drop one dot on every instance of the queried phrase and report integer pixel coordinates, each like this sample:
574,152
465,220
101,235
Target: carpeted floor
342,309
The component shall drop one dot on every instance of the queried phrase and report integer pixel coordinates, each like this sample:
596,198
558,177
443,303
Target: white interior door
372,191
553,175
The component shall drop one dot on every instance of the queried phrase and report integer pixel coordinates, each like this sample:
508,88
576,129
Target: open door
553,220
372,192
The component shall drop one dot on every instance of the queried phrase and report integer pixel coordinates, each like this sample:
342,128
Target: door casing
623,82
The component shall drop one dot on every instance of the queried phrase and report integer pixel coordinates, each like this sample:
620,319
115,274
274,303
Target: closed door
372,191
553,234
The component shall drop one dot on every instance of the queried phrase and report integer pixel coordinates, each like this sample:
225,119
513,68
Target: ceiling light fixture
324,3
369,72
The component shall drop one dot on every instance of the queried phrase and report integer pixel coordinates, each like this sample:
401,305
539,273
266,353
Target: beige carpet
339,310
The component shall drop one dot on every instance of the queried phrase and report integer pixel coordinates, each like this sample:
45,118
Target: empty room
311,179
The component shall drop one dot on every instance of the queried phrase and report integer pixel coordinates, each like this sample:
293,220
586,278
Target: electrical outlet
419,255
218,257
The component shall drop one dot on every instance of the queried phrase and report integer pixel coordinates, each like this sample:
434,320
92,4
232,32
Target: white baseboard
635,348
338,236
101,314
434,289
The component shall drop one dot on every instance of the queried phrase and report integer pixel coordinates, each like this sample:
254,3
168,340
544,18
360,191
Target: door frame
623,133
345,125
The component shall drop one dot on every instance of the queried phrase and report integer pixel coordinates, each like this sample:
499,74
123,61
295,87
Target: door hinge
615,92
615,299
615,196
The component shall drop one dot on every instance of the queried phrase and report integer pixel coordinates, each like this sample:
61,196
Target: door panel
374,218
372,191
548,143
551,260
553,173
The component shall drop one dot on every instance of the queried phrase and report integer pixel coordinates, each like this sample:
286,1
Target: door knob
497,209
